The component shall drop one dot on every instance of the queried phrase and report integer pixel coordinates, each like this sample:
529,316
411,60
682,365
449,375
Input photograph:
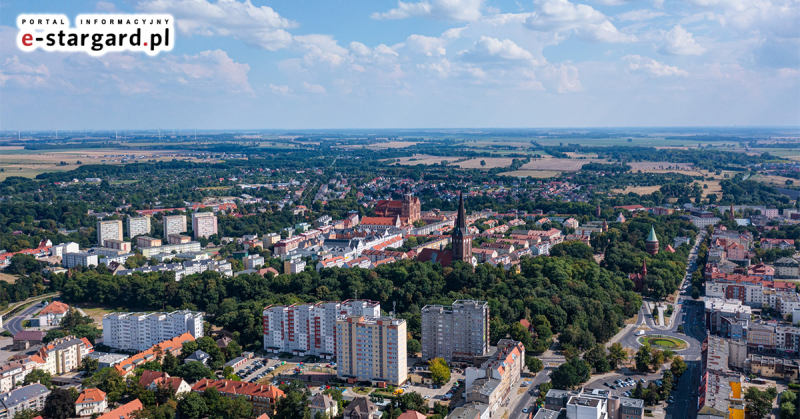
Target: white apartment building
14,373
30,397
71,260
253,261
183,269
371,349
63,248
204,224
138,226
294,266
169,248
310,329
140,331
174,224
108,230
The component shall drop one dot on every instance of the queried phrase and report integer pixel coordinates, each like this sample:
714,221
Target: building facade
30,397
310,329
174,224
138,226
108,230
204,224
371,349
456,333
140,331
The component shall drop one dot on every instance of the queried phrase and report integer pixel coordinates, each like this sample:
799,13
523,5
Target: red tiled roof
239,387
91,395
124,411
56,307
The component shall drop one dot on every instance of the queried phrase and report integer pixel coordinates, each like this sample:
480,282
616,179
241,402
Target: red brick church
408,209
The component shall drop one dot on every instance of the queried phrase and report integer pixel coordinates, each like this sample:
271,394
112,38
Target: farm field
491,163
393,144
641,190
542,174
660,165
778,181
563,165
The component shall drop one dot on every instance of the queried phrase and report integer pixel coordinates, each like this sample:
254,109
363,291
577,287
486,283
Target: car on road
526,410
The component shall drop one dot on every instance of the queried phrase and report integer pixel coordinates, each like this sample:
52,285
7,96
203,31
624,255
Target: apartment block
118,245
64,248
372,349
456,333
147,241
178,239
592,403
30,397
253,261
771,367
140,331
490,384
138,226
169,248
310,329
108,230
174,224
71,260
14,373
173,346
294,266
720,391
261,397
64,355
204,224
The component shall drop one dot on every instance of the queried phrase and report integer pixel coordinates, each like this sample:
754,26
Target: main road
14,325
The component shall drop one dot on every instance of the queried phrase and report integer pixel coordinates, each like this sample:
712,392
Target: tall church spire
461,219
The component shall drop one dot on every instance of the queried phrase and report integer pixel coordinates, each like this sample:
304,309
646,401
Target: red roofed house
52,314
380,223
91,401
173,345
124,411
411,414
151,380
261,397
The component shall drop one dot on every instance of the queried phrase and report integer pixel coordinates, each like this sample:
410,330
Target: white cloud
212,67
775,17
280,89
679,41
562,16
639,15
322,48
426,45
453,10
492,49
313,88
23,73
563,78
648,65
258,26
104,6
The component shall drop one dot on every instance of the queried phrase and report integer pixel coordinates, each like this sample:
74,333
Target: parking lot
628,382
256,368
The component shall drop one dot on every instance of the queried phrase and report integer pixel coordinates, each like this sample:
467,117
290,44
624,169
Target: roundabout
664,342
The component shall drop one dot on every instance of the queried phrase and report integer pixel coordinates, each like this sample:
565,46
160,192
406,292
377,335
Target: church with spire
461,241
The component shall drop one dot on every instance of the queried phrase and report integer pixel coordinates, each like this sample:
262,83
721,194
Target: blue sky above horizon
418,64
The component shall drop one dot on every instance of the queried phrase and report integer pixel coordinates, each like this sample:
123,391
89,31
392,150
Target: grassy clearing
8,278
641,190
778,181
96,313
425,159
562,165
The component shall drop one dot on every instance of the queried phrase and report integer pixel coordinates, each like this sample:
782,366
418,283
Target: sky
295,64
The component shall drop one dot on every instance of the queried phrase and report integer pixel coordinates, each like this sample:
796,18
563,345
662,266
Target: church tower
651,244
462,241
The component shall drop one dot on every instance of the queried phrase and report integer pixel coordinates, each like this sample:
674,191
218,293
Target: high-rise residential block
140,331
174,224
371,349
456,333
138,226
310,329
204,224
108,230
